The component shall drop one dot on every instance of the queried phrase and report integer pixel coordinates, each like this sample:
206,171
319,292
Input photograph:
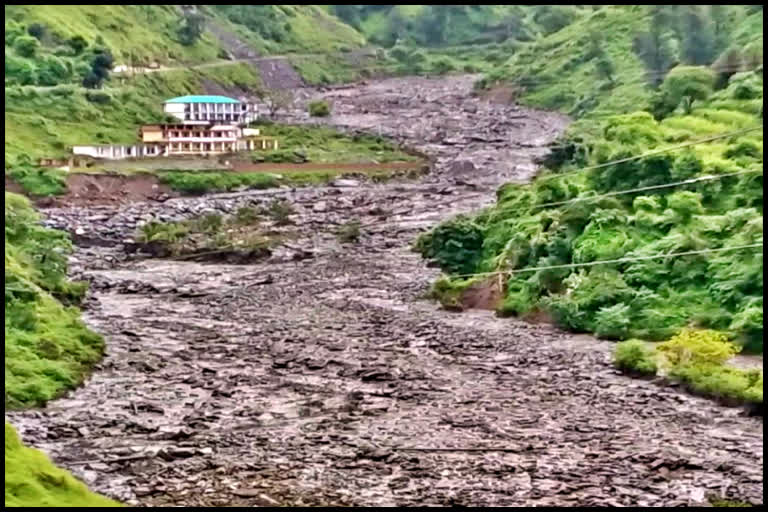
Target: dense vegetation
46,47
651,298
610,59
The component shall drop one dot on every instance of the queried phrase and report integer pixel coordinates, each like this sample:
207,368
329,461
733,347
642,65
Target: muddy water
335,383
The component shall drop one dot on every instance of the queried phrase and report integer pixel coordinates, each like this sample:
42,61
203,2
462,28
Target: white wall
175,109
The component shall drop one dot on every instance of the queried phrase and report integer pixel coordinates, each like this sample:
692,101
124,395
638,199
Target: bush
78,44
454,245
697,347
280,211
26,46
349,232
634,356
722,381
319,108
443,65
39,182
36,30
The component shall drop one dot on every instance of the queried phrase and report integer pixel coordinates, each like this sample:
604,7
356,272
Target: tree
685,85
728,64
78,44
37,31
277,100
100,66
655,46
192,29
698,37
603,63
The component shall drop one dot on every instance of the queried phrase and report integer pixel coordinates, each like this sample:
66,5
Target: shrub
78,44
319,108
26,46
697,347
454,245
693,82
39,182
349,232
722,381
36,30
246,215
612,322
280,211
443,65
634,356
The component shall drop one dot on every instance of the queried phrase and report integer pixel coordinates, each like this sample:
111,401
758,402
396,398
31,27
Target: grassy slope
556,73
649,300
31,480
147,32
48,350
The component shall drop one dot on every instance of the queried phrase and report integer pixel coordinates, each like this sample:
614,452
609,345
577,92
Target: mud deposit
321,376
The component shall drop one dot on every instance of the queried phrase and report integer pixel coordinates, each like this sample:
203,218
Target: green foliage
698,37
693,347
192,29
722,381
280,211
319,108
31,480
696,83
202,182
48,350
39,181
650,298
26,46
634,356
455,245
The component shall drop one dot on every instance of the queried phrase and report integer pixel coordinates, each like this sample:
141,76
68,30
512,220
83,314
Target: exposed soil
92,189
321,377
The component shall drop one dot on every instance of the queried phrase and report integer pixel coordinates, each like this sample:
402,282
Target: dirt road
322,376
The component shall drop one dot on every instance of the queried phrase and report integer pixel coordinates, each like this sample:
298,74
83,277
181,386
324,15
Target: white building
210,109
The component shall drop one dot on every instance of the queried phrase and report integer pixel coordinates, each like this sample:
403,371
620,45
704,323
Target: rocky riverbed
321,376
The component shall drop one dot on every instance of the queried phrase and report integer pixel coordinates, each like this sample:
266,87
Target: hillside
48,351
606,60
649,299
451,25
45,46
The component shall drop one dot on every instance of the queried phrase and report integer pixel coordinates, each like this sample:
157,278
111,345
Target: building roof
201,99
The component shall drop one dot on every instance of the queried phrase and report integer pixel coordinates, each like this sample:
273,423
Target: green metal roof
201,99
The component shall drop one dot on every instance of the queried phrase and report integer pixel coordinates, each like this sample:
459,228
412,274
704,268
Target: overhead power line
619,260
652,152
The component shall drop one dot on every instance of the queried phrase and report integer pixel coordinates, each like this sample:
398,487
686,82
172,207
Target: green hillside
608,59
650,299
48,350
45,46
451,25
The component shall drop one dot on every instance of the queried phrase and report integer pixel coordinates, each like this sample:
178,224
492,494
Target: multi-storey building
210,109
208,125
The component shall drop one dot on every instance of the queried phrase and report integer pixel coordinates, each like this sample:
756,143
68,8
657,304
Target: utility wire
652,152
708,177
619,260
